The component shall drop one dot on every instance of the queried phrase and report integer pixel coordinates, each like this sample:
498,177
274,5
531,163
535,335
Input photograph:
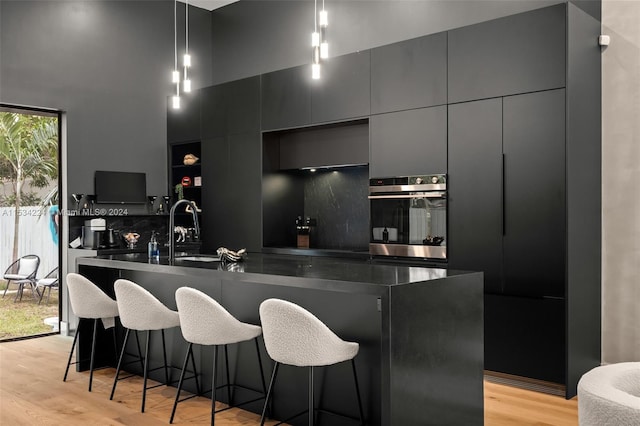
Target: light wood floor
32,393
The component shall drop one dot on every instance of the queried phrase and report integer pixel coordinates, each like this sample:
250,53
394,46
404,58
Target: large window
29,222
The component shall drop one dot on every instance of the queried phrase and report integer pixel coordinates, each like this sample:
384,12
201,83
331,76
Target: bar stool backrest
140,310
294,336
88,300
204,321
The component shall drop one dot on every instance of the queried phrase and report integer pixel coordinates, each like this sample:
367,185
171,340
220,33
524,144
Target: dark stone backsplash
142,224
337,199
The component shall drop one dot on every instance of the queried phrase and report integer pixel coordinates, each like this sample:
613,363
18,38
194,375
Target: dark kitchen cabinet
410,74
232,107
534,191
231,151
525,336
286,98
213,112
338,144
241,227
475,189
234,176
507,192
183,124
412,142
506,218
343,90
242,102
216,194
516,54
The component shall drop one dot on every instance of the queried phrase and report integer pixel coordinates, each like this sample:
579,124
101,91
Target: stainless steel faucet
172,213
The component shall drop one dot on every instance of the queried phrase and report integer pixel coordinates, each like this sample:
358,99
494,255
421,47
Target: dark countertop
277,265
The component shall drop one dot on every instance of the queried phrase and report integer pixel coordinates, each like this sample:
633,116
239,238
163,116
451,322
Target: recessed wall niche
321,173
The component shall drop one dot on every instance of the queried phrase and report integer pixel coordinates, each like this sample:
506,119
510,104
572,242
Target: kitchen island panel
420,331
437,352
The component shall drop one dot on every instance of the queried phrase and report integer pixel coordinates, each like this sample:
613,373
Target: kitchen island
420,331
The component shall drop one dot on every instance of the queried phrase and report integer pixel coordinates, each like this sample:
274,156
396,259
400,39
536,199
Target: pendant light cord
175,43
175,34
186,45
186,27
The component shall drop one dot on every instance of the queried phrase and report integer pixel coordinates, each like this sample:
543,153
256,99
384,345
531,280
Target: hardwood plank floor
32,392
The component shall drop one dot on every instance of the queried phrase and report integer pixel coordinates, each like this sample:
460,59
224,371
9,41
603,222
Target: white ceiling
209,4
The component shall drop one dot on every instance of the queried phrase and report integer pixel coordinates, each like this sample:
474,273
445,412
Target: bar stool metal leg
184,368
115,380
75,340
226,361
264,386
93,352
213,385
195,372
269,391
164,354
115,345
311,410
355,378
146,371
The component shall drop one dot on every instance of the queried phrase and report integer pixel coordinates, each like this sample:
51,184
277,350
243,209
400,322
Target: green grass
25,317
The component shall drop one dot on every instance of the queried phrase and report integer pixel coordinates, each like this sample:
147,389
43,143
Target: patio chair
48,282
23,272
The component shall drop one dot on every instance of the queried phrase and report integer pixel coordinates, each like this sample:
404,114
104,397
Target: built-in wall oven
409,216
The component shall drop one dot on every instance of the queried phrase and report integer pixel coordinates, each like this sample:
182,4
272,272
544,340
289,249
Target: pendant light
319,39
175,75
324,22
186,84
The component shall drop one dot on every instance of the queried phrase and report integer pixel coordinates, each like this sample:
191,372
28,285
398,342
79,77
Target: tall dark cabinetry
476,189
534,189
231,149
522,229
507,218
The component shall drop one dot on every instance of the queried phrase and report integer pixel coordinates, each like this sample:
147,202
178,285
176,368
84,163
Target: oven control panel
427,179
435,179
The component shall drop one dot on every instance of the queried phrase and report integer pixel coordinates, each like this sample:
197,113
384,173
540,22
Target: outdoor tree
28,150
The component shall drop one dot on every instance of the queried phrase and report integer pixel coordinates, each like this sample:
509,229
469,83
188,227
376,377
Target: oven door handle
392,196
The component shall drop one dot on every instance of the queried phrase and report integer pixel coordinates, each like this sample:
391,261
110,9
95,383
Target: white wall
621,182
34,235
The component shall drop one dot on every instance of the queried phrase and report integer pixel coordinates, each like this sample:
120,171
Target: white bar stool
294,336
89,302
142,311
204,321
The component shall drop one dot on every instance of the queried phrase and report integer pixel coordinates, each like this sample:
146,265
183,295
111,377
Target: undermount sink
200,258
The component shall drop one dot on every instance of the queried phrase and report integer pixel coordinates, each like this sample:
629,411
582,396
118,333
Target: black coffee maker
111,238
